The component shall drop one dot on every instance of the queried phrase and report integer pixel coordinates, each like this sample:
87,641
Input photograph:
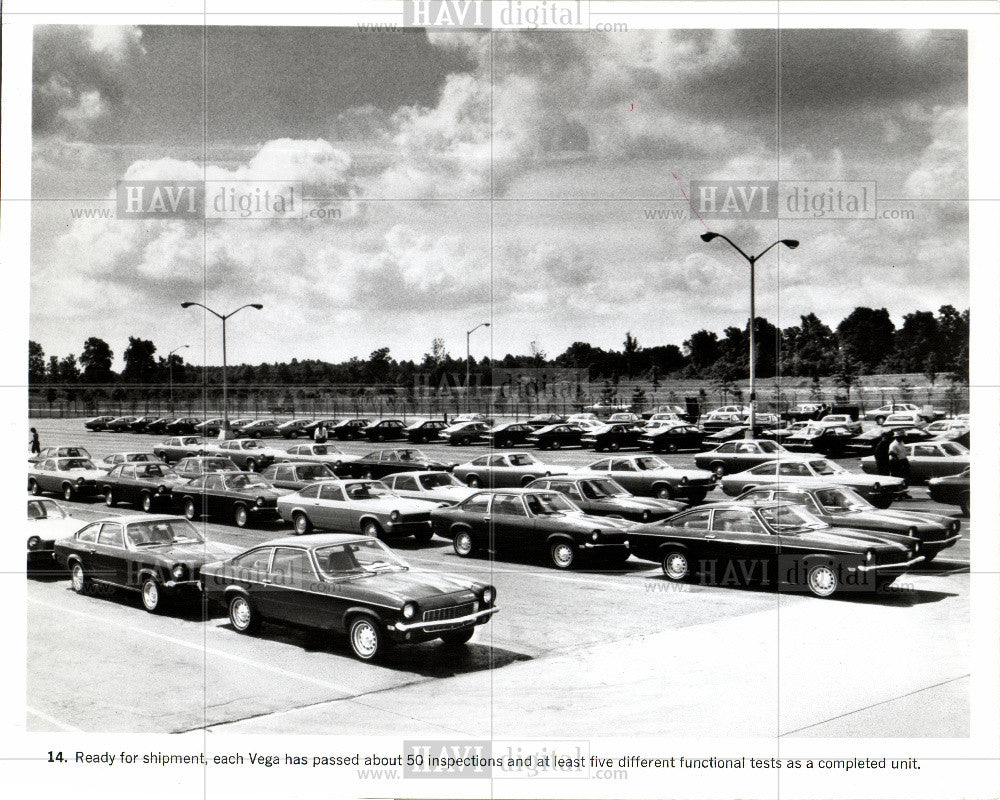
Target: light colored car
327,454
840,421
903,419
506,470
248,454
652,477
665,417
435,486
70,477
113,460
929,460
47,521
357,505
574,419
880,414
59,452
880,490
947,427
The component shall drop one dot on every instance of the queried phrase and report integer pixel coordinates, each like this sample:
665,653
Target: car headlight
161,489
79,481
409,611
912,531
955,526
33,542
684,481
489,594
916,547
869,556
394,516
178,571
260,501
877,486
595,535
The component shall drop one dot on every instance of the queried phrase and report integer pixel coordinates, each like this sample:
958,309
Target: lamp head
791,244
186,305
259,306
707,237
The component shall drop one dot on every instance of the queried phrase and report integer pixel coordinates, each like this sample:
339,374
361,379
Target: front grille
415,518
441,614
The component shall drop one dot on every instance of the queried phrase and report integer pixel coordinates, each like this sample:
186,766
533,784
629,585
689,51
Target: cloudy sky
578,136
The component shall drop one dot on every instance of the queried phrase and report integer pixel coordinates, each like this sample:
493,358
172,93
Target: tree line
866,341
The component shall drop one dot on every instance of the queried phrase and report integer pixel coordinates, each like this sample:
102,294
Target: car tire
675,566
109,498
190,509
821,580
423,537
880,420
146,502
457,638
670,447
614,447
462,544
242,614
556,445
67,492
881,501
719,469
33,487
151,594
251,465
241,516
371,528
302,524
562,555
79,579
365,638
664,492
964,506
473,481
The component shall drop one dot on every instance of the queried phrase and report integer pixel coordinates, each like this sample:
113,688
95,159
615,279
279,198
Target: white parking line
63,726
607,582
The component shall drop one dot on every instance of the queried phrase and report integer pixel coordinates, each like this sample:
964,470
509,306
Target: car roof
128,519
313,540
294,464
414,473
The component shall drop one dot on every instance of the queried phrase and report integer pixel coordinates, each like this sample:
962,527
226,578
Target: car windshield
246,482
650,462
75,463
154,471
166,531
769,447
550,503
320,450
824,467
357,559
252,444
45,509
411,455
438,479
313,472
839,501
783,519
523,460
366,490
596,489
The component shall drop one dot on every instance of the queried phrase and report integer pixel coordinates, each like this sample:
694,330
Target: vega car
671,437
738,456
929,460
178,447
380,463
653,477
70,477
141,484
953,489
242,497
438,487
296,474
605,498
47,522
506,469
248,454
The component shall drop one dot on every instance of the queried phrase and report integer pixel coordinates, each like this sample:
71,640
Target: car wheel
881,501
33,487
462,544
562,554
78,578
251,465
243,615
822,580
670,447
719,469
190,509
146,502
675,565
365,638
964,506
67,492
423,537
556,444
152,596
240,516
457,638
302,524
664,492
879,420
109,499
614,447
473,481
371,528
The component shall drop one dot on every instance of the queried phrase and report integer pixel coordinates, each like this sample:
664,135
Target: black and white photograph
556,398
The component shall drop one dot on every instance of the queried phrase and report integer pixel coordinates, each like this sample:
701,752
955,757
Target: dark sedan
239,496
259,429
294,428
738,456
182,425
605,498
380,463
142,485
97,423
426,430
672,438
193,466
296,474
120,424
845,508
507,434
141,424
159,425
614,437
544,420
346,429
775,543
386,430
160,557
952,489
350,584
554,437
531,522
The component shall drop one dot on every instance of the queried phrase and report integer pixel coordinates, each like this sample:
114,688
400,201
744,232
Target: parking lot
569,654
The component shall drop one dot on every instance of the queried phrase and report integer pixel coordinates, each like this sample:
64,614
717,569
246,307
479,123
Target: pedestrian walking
899,464
34,445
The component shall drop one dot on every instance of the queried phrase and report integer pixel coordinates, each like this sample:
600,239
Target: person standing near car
899,464
320,434
882,453
34,445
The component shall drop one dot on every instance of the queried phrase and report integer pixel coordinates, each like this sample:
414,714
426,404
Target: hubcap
300,524
675,566
241,516
68,493
720,470
822,581
239,613
562,554
78,577
109,499
147,502
365,639
189,509
150,595
463,544
371,530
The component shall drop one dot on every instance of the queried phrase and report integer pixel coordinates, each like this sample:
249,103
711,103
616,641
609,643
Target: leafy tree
96,359
36,362
810,347
702,350
140,366
53,369
69,370
866,337
632,347
915,341
538,355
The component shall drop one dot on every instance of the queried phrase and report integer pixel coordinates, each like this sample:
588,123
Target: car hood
200,553
903,520
423,587
644,504
588,522
54,528
853,539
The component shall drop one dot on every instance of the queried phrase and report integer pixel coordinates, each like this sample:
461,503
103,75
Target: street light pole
224,432
468,365
791,244
170,362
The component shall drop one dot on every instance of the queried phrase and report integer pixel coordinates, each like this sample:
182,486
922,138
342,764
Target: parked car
178,447
259,429
533,523
296,474
182,425
840,421
346,429
652,477
583,416
114,459
435,486
826,439
844,508
193,466
294,428
672,437
470,418
386,430
806,412
59,452
464,433
159,425
500,470
508,434
248,454
140,424
664,416
328,454
47,522
356,506
715,438
903,419
775,543
211,427
739,455
782,432
554,437
718,420
424,431
73,478
881,490
544,420
879,415
160,557
870,438
146,485
348,584
952,490
603,497
929,460
947,428
613,437
121,424
627,417
379,463
242,497
97,423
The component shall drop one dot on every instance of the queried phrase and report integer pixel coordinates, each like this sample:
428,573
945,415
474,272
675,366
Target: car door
331,510
624,471
110,561
406,486
285,594
214,494
748,549
926,460
500,473
512,527
85,546
475,514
